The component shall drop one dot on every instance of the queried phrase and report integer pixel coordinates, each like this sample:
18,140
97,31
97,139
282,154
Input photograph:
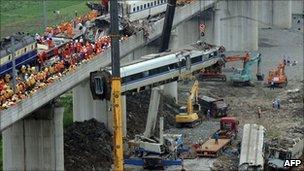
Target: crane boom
116,87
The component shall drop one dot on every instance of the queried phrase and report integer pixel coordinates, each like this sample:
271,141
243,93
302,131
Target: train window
145,6
141,7
157,1
134,9
172,66
151,4
148,5
162,1
126,79
137,8
154,3
165,1
3,60
196,59
136,76
183,63
210,55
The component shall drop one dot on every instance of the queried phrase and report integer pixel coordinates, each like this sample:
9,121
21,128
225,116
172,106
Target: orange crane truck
214,145
277,77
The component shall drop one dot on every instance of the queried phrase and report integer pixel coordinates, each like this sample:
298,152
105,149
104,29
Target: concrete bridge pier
236,26
85,108
277,13
36,142
170,89
282,13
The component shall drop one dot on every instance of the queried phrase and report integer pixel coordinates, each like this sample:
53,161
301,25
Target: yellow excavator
187,117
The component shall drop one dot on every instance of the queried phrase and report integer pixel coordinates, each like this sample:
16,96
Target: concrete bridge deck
27,106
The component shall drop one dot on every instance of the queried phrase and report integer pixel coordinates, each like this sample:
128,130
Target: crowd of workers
31,79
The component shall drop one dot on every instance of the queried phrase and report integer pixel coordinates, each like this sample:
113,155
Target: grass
67,102
27,16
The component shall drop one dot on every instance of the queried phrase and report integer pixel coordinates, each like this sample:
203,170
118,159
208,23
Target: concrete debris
292,136
225,163
87,146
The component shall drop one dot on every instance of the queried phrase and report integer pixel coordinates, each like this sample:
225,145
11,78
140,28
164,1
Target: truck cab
217,107
228,127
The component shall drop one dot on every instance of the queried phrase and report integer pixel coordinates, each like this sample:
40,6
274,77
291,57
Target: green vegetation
67,102
27,16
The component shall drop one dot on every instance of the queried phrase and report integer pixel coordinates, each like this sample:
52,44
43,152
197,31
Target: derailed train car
252,148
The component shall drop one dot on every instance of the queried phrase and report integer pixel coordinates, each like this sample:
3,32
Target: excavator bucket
260,77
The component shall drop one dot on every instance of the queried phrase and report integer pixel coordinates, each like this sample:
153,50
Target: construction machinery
213,73
243,77
149,151
214,145
187,117
152,152
277,77
217,107
108,86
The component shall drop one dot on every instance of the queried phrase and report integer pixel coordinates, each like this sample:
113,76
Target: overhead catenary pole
14,72
116,87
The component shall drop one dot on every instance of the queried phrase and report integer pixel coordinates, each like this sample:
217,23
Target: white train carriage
136,10
160,70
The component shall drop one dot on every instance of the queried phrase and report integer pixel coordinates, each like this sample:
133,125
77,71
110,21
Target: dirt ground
243,102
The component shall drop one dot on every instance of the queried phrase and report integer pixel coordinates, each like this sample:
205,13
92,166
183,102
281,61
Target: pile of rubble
87,146
225,163
292,136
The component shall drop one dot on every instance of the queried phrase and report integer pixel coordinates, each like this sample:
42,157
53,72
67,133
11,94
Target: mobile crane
277,77
108,86
187,117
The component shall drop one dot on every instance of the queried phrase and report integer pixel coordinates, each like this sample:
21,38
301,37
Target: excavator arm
244,58
193,96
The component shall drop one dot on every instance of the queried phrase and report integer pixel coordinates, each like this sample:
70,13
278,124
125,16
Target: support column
170,89
265,13
218,14
237,27
185,34
297,7
85,108
282,13
35,143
